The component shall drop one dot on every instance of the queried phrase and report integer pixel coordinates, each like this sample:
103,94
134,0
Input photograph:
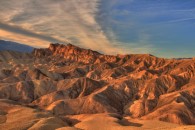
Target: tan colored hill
67,87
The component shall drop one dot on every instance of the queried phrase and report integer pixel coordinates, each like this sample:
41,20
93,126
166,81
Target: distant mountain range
13,46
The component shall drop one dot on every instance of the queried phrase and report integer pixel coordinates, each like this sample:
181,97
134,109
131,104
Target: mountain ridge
68,81
14,46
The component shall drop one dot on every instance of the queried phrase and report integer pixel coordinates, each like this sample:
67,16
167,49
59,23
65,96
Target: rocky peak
75,53
53,46
69,51
56,48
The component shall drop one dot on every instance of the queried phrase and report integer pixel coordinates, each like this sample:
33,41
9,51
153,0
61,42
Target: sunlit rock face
63,80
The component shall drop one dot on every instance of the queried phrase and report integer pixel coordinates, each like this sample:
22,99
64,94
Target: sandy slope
67,86
16,117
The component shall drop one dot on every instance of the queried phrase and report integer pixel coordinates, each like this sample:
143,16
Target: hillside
67,87
13,46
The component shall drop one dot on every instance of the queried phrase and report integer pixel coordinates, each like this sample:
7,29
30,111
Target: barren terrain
65,87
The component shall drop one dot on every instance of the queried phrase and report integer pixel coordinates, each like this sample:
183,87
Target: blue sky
168,26
164,28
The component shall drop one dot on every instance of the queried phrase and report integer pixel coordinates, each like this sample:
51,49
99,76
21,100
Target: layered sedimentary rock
68,80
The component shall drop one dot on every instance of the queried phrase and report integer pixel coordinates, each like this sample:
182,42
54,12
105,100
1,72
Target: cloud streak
108,26
19,30
10,36
118,24
56,21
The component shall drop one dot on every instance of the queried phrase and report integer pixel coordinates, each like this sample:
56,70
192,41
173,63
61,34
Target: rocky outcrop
69,80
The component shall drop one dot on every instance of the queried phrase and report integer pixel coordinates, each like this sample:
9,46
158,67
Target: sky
164,28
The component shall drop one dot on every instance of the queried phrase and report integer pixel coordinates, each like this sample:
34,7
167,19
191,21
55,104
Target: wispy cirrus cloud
153,26
56,21
109,26
10,36
25,32
120,27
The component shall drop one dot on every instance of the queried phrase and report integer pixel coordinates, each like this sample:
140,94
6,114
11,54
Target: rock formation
65,80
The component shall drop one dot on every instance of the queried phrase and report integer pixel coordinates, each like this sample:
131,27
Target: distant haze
162,28
13,46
